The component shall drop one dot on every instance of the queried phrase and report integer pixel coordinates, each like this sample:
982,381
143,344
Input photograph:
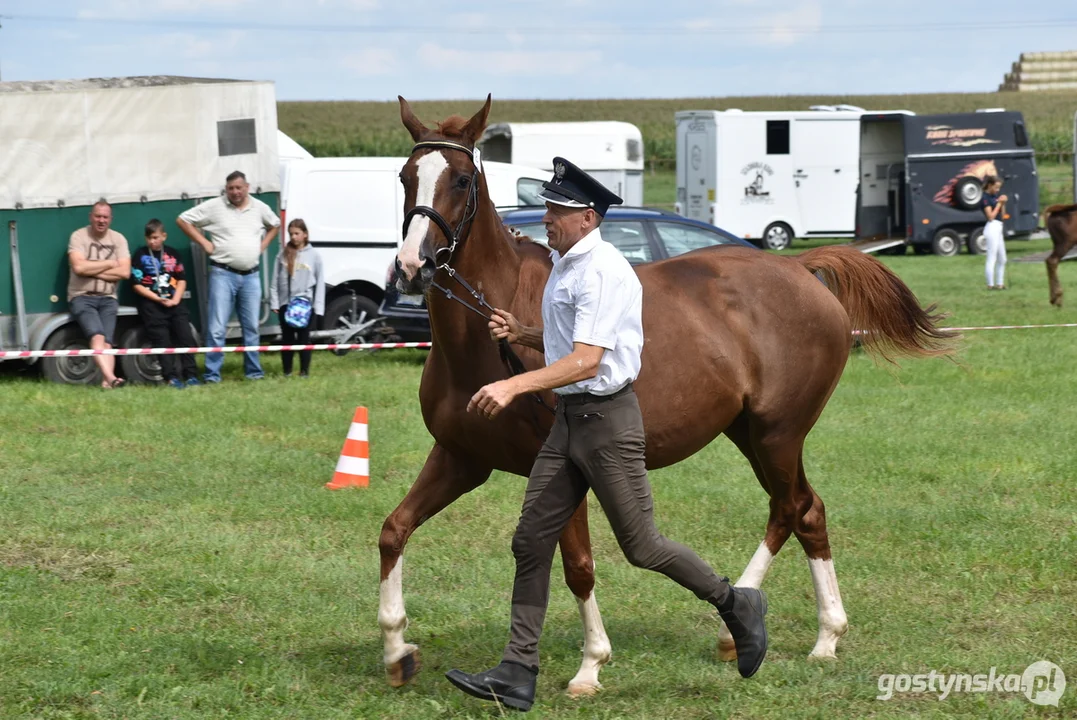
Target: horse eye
463,182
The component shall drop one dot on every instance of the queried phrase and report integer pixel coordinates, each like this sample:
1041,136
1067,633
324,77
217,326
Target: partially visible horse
737,341
1061,221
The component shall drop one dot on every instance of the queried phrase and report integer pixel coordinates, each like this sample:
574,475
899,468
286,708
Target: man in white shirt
592,337
242,228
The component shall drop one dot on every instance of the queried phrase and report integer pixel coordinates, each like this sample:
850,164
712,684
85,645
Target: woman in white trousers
994,207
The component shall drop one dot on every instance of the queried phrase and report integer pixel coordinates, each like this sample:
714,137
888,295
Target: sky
523,49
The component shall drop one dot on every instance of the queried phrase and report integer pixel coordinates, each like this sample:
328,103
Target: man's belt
229,268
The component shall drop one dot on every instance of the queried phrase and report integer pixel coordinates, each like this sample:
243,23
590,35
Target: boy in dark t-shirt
159,281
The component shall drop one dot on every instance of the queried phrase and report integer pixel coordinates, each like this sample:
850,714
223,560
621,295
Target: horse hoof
822,655
578,690
727,654
404,669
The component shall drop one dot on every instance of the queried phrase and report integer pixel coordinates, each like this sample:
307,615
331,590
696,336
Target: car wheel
968,192
777,236
341,315
72,370
976,242
946,243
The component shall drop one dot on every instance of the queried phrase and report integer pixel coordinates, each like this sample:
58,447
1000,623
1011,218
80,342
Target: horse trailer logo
957,137
755,192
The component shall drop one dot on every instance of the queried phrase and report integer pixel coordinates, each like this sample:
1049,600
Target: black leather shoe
746,625
511,684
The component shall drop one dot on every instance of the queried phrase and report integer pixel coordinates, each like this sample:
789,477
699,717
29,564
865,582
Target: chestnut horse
1061,221
737,341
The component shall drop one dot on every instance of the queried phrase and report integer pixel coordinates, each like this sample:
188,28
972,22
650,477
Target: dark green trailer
152,147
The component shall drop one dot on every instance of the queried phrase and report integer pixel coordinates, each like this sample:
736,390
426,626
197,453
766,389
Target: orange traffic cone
353,468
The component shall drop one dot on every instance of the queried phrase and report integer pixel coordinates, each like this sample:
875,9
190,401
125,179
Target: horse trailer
152,147
612,152
921,178
770,177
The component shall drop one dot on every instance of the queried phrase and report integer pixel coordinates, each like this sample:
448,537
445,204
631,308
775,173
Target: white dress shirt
594,297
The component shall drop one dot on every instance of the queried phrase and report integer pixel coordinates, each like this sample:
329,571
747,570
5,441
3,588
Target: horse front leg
580,577
443,479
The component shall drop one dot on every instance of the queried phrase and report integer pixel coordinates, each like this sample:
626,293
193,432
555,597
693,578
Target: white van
612,152
770,176
354,209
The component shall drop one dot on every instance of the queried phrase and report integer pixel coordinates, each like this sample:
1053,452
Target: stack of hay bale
1043,71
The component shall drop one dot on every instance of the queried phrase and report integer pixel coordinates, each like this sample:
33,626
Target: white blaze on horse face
832,620
430,168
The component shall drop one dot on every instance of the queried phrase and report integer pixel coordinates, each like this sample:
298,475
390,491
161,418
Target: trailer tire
70,370
139,369
338,314
777,236
976,242
968,192
946,243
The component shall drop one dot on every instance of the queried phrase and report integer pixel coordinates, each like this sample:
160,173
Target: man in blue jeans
242,228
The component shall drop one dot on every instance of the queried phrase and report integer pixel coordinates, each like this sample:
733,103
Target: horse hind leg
579,567
811,532
443,479
779,528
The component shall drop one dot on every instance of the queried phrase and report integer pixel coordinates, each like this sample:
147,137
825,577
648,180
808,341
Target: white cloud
371,61
509,62
791,25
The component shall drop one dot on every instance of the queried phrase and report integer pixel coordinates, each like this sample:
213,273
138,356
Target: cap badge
559,173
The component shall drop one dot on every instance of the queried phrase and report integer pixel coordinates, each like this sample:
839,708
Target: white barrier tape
15,354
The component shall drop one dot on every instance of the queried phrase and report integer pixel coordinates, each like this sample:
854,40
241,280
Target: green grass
374,128
174,554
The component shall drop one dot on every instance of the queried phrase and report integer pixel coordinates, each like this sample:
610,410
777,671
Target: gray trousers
597,443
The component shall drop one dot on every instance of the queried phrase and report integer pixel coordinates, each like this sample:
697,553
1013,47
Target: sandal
118,383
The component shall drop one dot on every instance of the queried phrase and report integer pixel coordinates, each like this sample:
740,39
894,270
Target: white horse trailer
770,176
612,152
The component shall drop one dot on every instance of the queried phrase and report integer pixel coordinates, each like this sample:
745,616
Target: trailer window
777,137
1019,134
236,137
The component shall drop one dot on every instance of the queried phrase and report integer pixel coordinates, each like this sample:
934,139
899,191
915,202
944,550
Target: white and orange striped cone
353,467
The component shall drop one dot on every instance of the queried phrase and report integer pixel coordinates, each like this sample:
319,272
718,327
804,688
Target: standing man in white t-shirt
242,228
592,337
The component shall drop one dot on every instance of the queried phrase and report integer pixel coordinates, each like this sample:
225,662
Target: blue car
641,234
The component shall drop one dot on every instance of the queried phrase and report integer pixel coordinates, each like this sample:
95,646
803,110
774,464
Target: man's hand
504,326
493,398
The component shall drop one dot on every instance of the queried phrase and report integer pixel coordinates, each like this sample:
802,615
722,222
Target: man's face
565,225
236,191
156,240
101,219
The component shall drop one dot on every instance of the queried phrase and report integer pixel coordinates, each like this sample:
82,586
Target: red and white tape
15,354
27,354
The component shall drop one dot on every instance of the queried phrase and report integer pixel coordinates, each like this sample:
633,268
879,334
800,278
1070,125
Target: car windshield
527,192
680,238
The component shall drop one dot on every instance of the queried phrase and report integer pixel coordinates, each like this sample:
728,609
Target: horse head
443,191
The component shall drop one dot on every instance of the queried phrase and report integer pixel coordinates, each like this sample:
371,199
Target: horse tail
882,308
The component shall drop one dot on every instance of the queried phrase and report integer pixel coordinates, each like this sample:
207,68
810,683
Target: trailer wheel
339,315
777,236
70,370
946,243
976,242
139,369
968,192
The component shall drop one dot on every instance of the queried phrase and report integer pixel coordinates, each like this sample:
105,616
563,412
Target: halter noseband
453,236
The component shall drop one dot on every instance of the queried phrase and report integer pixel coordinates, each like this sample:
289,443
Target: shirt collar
585,245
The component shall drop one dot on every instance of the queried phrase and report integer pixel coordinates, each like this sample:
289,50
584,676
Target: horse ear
416,128
475,126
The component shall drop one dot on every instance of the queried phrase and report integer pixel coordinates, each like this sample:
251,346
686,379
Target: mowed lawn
174,554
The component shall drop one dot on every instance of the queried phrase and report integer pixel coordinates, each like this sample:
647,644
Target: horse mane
452,127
